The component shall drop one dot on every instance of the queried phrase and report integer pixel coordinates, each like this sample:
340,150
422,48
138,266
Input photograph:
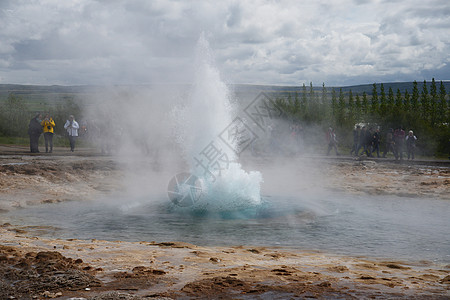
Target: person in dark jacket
376,142
369,142
34,131
362,141
365,141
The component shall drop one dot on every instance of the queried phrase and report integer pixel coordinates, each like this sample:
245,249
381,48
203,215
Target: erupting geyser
210,143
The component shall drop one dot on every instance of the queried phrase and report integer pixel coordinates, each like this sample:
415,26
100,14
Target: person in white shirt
72,129
411,144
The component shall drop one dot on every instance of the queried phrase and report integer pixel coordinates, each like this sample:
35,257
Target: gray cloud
234,17
258,41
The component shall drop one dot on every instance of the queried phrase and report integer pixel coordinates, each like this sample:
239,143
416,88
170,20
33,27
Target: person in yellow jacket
48,125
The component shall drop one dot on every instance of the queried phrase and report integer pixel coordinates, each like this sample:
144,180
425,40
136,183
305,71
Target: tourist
332,141
368,142
365,141
296,132
72,130
34,131
376,142
48,124
389,143
399,140
411,144
356,133
361,141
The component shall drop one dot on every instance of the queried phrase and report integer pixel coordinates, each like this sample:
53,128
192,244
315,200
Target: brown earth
29,179
378,177
38,268
32,267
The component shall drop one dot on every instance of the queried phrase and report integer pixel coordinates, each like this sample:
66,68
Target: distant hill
403,86
39,95
356,89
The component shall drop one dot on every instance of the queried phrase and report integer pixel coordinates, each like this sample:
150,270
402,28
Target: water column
209,140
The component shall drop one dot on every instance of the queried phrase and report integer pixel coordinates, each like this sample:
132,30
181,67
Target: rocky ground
378,177
33,267
28,180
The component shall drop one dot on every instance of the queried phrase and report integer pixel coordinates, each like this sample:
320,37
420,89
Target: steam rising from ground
168,129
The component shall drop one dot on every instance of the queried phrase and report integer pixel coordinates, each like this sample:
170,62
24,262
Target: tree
351,102
324,94
324,102
390,99
341,109
390,106
314,113
407,102
383,107
304,102
374,103
289,99
351,109
311,91
442,115
398,108
296,103
334,108
415,98
433,102
424,102
14,117
358,108
365,105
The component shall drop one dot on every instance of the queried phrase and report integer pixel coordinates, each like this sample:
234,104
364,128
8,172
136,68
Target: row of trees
425,111
15,115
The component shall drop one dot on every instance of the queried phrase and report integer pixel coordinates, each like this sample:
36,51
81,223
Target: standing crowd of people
46,125
369,141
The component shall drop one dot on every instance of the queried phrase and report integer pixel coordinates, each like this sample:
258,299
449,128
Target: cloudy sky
279,42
